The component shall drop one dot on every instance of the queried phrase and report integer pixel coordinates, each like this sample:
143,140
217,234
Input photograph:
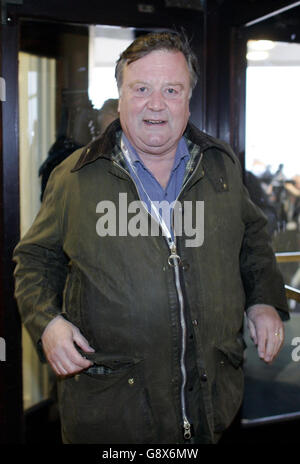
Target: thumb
82,342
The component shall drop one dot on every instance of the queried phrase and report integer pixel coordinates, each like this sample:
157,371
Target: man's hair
145,44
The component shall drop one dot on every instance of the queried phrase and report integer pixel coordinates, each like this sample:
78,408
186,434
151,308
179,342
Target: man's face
154,102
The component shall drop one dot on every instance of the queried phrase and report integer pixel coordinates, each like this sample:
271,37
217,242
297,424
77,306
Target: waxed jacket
120,291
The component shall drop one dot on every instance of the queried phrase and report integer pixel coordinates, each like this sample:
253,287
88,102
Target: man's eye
140,90
171,91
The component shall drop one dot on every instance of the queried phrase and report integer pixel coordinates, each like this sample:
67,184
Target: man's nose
156,101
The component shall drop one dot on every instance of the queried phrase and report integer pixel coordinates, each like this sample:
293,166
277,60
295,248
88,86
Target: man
143,329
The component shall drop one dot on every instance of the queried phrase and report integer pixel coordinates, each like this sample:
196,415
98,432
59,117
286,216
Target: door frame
70,11
218,105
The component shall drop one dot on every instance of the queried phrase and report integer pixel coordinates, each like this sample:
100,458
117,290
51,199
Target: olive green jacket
120,291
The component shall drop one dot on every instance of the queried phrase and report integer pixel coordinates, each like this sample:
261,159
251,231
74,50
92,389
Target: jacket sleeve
41,266
263,282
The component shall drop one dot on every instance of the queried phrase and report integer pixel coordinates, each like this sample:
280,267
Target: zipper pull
174,258
173,248
187,433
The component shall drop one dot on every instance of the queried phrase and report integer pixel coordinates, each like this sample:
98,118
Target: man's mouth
154,122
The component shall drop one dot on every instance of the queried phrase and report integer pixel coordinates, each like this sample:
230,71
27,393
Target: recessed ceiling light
257,56
261,45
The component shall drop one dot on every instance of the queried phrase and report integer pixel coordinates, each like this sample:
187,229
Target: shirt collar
181,152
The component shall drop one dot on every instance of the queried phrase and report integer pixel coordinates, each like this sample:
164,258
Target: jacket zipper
187,432
174,261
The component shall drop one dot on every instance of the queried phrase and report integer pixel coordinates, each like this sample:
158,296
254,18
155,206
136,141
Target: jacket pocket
228,386
107,403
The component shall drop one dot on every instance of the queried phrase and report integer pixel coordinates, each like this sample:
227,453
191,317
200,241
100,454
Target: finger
67,367
67,360
279,340
252,331
74,360
272,346
71,368
82,342
58,368
274,343
261,343
62,371
79,361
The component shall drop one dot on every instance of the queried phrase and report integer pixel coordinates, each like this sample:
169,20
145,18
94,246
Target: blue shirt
146,182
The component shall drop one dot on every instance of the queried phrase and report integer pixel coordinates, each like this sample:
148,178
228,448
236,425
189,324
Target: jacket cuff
39,344
283,312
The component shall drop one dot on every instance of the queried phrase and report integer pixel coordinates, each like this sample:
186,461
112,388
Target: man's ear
119,105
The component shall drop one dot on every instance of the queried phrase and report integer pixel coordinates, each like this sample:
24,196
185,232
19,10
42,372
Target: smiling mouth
154,122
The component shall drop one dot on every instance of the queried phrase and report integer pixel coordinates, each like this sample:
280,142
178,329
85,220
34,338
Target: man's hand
266,330
58,343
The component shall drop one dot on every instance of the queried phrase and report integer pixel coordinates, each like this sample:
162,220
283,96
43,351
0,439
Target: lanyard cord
154,209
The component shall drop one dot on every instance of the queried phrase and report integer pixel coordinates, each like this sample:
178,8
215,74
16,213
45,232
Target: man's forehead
172,60
159,56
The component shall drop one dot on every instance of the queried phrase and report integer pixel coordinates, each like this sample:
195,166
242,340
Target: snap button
185,266
222,363
203,377
195,322
224,185
131,381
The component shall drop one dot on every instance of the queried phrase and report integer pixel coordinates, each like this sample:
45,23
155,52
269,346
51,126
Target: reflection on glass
67,96
272,144
105,46
37,131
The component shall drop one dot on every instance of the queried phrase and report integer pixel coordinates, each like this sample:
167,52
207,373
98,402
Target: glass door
57,93
272,176
67,97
